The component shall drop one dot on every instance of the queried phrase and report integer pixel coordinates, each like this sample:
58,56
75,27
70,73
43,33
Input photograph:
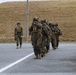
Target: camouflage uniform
36,37
57,34
49,37
18,33
46,36
53,38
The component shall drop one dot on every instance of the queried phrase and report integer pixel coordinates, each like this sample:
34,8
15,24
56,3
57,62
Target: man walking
36,37
53,38
46,31
57,34
18,33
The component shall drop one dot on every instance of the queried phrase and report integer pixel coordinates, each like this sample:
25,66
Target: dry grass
61,12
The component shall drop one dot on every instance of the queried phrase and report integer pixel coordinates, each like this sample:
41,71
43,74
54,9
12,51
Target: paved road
61,61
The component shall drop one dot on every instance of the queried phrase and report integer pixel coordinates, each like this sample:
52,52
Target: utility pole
27,20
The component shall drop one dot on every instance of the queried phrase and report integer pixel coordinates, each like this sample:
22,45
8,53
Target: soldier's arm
60,33
15,32
30,30
49,29
45,31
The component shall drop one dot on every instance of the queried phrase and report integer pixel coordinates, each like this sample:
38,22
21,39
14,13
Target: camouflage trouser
48,43
57,40
45,44
36,42
18,39
53,41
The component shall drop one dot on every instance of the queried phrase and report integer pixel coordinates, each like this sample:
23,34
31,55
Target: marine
53,38
18,33
46,36
36,37
57,34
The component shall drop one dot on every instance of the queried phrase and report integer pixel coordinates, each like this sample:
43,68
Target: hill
61,12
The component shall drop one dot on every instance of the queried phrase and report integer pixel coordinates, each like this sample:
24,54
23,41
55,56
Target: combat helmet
56,24
35,19
18,23
43,21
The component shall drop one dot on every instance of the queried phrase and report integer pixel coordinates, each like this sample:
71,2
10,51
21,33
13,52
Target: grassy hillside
61,12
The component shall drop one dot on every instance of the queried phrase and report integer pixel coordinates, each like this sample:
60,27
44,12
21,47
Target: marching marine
57,34
18,33
36,37
46,32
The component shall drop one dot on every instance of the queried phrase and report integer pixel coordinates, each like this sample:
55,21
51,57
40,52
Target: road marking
16,62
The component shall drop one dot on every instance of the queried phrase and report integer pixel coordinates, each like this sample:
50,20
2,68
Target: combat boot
36,57
42,54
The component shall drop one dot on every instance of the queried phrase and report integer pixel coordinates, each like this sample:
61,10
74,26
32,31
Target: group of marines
42,33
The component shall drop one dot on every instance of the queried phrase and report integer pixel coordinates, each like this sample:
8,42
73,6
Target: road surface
61,61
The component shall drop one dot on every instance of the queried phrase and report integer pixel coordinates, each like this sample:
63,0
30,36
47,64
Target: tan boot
37,56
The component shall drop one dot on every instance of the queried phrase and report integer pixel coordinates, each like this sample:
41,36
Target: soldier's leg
47,47
39,45
34,42
48,43
20,39
42,50
17,42
52,43
43,47
39,52
57,41
36,51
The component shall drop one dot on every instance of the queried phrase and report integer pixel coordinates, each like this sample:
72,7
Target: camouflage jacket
18,29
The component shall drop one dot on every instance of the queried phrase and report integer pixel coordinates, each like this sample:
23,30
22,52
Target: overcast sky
19,0
33,0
